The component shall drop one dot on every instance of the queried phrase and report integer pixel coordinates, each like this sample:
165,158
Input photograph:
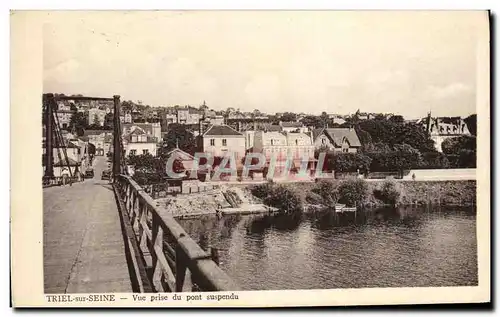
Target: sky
407,63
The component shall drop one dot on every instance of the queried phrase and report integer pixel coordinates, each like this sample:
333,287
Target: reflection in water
387,247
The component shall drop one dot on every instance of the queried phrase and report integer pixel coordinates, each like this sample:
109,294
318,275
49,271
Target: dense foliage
353,192
389,193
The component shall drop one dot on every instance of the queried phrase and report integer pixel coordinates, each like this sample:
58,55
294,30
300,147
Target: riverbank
444,193
242,200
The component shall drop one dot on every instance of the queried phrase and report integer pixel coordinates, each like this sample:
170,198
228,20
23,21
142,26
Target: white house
138,142
219,140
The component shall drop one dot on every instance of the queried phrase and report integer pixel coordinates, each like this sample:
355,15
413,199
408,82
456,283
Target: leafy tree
397,119
353,192
178,134
435,160
392,133
109,121
312,121
78,121
147,163
348,162
457,144
471,122
95,121
289,116
389,193
328,190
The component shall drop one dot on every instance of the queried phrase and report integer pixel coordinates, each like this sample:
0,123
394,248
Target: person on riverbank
413,176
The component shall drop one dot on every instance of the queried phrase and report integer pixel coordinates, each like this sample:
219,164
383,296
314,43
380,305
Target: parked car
106,175
89,173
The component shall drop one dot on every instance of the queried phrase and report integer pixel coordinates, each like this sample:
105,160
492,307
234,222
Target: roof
221,130
291,124
272,128
147,127
337,135
181,153
63,162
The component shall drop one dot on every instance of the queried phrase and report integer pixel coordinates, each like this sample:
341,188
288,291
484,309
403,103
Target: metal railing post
117,152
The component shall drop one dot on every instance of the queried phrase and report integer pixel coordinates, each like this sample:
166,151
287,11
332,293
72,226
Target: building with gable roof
219,140
138,142
343,140
442,128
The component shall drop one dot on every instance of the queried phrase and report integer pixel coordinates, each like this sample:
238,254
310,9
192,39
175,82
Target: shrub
284,198
353,192
389,193
262,190
328,192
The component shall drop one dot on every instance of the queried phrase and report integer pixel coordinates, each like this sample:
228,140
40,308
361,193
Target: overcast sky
407,63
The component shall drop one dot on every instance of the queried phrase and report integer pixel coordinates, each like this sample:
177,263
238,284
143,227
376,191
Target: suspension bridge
108,235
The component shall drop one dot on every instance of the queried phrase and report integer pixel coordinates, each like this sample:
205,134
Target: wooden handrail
175,262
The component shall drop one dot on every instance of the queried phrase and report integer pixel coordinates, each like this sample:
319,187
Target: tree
348,162
78,122
324,119
397,119
392,133
96,121
471,122
178,134
461,151
455,145
289,117
312,121
352,192
109,121
435,160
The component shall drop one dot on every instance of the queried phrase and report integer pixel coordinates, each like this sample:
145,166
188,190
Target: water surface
403,247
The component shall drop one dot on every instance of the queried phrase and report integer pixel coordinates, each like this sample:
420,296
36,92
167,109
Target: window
345,150
323,141
224,142
212,142
145,151
272,142
296,142
133,152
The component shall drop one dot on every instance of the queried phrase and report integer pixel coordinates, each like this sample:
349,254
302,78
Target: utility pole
49,152
117,147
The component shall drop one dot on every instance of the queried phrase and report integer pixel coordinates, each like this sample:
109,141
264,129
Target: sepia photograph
210,153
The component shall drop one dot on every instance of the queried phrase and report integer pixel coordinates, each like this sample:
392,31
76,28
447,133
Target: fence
173,261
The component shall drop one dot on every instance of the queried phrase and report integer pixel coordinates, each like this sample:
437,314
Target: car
106,175
89,173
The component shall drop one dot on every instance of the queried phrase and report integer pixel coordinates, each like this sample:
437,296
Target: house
336,139
285,146
64,118
67,158
96,116
138,142
442,128
97,138
188,115
186,160
219,140
151,129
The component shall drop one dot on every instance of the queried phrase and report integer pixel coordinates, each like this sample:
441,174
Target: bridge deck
83,247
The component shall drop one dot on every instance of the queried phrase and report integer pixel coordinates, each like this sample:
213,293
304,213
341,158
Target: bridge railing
173,260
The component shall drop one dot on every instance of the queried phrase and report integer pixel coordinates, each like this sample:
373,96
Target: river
387,247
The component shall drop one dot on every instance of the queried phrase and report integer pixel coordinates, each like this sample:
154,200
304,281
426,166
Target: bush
389,193
262,190
328,192
353,192
285,199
